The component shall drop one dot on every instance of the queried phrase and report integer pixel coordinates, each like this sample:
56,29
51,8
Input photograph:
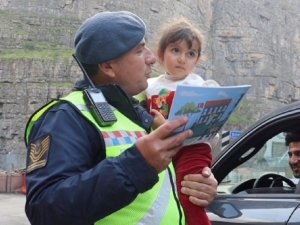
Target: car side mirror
224,210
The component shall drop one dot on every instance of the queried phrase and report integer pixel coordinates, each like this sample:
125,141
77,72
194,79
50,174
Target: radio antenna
84,72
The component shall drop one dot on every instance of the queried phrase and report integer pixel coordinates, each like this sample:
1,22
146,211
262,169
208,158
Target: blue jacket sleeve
78,185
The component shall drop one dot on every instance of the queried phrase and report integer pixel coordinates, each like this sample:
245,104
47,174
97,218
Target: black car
256,184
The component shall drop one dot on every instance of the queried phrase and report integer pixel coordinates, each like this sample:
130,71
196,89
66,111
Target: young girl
179,51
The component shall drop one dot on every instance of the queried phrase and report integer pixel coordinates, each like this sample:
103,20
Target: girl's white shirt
164,81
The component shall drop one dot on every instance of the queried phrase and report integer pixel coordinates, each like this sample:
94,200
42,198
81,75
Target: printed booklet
208,108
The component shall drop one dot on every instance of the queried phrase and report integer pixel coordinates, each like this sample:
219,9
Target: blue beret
107,36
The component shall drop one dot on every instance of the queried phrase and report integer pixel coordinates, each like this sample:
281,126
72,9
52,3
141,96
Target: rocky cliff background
253,42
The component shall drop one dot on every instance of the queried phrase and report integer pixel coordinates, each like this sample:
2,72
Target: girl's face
179,60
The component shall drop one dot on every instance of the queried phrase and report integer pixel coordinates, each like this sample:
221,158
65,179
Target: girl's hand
158,119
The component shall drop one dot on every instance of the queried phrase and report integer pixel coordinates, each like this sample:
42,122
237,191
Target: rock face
246,42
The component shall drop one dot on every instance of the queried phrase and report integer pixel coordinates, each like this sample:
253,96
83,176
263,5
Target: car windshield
272,158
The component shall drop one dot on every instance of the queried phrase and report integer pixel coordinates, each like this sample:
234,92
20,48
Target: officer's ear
107,69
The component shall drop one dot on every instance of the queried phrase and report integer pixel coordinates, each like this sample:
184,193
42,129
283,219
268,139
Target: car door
260,150
294,220
254,210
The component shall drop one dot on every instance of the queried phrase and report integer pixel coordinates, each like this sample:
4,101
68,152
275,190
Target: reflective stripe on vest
156,206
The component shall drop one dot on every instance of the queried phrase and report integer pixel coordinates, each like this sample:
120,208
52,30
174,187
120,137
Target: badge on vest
39,150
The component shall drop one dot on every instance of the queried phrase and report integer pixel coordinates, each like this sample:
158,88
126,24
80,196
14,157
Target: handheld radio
100,109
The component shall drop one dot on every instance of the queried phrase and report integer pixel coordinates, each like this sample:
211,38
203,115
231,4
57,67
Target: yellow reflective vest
153,207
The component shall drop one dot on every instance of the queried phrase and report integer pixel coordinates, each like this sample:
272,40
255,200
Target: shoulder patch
39,150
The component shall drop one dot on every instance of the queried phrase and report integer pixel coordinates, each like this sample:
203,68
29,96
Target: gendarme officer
80,172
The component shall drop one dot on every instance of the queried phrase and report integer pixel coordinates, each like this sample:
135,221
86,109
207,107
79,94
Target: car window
272,158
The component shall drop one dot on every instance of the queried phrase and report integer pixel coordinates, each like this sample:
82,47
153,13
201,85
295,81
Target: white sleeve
210,83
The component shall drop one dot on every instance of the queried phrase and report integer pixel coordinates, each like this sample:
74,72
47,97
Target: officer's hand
159,147
202,188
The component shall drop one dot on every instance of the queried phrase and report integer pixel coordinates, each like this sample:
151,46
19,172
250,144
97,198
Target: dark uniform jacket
78,185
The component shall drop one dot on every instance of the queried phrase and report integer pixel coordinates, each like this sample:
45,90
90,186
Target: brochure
208,108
